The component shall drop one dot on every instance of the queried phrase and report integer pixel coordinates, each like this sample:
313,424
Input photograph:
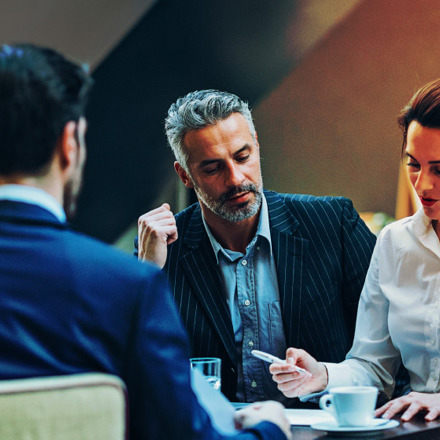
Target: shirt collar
424,230
34,196
422,223
263,229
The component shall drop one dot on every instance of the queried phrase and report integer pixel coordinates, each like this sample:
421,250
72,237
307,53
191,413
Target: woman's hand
412,404
292,383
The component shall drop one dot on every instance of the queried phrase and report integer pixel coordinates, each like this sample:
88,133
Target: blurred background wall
326,80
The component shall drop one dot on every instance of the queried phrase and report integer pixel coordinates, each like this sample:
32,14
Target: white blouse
399,312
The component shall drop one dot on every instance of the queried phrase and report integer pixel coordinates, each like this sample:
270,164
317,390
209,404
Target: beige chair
75,407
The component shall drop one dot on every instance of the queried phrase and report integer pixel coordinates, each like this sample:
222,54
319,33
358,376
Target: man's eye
242,158
211,170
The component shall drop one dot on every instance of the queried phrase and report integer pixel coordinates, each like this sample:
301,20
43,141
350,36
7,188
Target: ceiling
145,54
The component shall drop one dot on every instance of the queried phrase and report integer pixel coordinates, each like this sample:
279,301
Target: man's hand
292,383
156,230
269,411
412,403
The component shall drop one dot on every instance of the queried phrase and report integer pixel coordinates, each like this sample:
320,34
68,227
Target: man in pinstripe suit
250,268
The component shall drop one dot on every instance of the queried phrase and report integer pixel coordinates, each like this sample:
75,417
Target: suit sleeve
162,402
357,244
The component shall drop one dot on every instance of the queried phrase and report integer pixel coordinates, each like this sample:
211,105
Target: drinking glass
211,368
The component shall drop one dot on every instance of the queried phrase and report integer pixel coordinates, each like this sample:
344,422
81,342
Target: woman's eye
413,165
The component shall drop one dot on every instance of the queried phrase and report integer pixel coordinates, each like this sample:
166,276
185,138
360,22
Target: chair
75,407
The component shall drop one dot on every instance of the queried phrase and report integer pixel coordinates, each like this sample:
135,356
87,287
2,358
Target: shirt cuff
339,375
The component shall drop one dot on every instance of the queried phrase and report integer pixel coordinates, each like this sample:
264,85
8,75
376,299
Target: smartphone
274,360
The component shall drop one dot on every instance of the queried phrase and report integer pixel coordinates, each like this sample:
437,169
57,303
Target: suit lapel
290,254
201,268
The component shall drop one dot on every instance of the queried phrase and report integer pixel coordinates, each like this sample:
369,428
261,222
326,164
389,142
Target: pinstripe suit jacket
322,251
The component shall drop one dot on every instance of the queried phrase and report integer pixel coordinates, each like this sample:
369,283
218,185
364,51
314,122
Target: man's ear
68,148
184,177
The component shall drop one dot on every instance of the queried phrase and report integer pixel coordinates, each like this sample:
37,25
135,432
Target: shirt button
244,262
254,384
251,343
247,303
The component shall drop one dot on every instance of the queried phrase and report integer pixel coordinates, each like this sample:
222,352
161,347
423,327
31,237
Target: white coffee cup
350,406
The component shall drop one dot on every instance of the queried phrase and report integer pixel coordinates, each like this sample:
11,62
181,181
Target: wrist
324,377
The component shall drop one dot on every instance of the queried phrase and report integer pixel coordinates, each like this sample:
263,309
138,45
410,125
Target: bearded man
250,268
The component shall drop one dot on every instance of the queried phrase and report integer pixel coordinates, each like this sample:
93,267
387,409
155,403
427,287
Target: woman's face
423,160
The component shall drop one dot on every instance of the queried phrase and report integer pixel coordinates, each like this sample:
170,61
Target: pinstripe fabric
322,251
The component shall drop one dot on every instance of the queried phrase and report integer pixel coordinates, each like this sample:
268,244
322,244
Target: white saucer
375,425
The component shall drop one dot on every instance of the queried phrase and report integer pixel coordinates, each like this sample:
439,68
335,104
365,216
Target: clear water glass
210,368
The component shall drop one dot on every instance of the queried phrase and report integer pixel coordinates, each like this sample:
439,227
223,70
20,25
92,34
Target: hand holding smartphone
273,359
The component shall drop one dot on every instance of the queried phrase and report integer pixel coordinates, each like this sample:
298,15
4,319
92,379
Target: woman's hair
424,107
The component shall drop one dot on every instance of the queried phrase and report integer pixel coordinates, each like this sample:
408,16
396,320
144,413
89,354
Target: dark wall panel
178,46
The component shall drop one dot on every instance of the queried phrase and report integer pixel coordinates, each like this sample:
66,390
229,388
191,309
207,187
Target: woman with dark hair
398,319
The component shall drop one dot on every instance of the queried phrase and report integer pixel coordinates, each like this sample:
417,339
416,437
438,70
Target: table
416,429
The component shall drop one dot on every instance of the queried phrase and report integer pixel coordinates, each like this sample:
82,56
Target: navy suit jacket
322,252
70,304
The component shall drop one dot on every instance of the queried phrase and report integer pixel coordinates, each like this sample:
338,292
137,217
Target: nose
234,175
424,182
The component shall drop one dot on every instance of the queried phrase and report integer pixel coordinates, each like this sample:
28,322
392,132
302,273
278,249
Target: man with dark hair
252,269
70,304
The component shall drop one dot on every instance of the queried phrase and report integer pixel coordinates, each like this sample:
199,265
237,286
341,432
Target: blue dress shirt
251,289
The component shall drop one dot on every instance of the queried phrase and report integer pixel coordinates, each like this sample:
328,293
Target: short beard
241,212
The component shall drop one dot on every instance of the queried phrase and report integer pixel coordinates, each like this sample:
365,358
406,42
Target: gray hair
200,109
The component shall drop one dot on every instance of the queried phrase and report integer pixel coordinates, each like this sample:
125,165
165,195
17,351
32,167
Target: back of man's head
40,91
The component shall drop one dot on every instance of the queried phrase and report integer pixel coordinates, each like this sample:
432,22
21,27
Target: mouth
427,202
239,198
